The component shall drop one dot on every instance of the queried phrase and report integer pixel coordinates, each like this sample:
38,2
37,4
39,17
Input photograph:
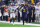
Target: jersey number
24,10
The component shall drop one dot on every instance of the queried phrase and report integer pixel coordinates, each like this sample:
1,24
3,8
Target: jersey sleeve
9,8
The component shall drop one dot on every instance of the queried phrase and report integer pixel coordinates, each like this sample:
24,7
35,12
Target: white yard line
21,23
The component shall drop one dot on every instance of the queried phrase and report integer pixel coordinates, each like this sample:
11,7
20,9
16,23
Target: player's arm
32,13
15,11
8,10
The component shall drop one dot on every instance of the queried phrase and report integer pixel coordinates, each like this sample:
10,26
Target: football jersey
5,9
12,9
36,9
6,12
0,13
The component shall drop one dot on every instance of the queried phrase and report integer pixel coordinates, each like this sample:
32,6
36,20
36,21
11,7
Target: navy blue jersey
30,10
24,11
33,8
26,6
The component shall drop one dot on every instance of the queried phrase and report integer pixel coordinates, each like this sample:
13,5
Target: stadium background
8,1
31,1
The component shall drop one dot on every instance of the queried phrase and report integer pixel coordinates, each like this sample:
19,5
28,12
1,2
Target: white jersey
6,14
12,8
37,9
0,13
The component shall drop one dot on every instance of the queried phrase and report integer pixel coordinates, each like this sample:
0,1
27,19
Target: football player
37,12
12,10
6,14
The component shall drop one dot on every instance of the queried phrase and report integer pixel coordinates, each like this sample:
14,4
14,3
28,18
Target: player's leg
6,18
13,20
10,20
29,18
38,18
10,17
13,17
0,17
33,19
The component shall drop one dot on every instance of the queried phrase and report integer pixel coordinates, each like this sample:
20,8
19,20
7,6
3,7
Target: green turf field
11,25
35,23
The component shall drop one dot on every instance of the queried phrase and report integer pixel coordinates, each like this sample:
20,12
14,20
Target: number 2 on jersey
24,10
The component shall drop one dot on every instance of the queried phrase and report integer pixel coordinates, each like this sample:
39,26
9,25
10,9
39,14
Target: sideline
20,23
